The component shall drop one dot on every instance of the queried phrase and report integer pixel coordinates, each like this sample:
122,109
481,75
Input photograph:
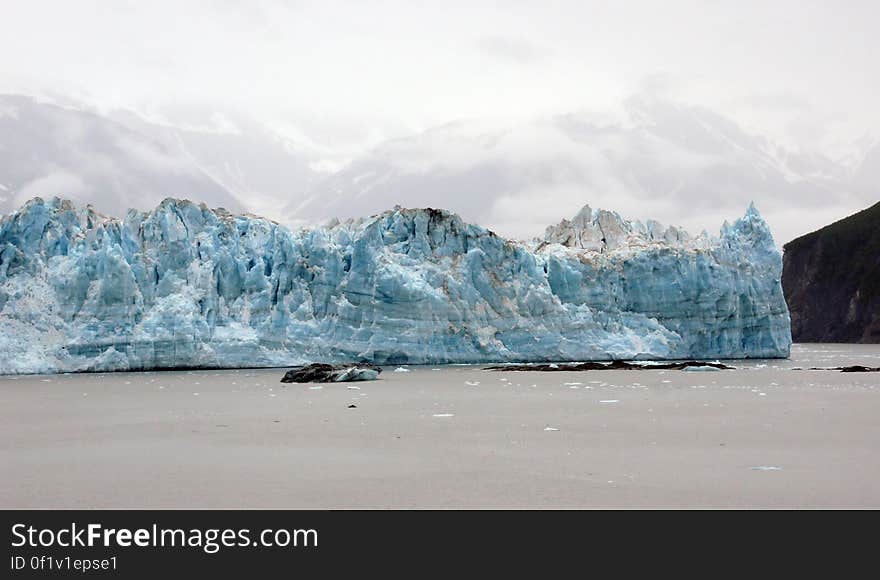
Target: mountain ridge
831,279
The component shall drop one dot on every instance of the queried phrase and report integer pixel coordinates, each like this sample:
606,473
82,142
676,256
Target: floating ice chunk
765,468
401,370
610,401
550,429
472,383
316,388
701,368
443,415
327,373
572,384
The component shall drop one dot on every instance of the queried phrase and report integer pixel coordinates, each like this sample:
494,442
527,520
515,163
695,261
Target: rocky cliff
831,280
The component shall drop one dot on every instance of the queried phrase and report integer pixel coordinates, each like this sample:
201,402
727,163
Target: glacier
186,286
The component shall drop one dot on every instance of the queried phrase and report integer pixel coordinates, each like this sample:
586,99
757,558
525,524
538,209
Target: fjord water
763,435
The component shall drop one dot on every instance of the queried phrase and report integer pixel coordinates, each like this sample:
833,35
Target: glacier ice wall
187,286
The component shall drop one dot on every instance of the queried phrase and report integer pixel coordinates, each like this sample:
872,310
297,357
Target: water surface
764,435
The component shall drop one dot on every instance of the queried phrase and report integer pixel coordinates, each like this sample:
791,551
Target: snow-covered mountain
680,164
46,149
262,169
654,158
120,160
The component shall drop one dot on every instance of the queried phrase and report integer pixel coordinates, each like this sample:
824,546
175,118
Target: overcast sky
350,73
342,77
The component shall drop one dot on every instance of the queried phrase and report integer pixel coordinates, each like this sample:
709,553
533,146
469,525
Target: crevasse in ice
187,286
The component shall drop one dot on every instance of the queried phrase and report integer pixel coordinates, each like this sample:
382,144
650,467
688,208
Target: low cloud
61,183
678,164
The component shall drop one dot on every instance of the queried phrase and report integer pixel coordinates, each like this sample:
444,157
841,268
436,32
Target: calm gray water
763,435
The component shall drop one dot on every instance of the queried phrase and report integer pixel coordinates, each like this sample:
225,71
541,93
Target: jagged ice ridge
187,286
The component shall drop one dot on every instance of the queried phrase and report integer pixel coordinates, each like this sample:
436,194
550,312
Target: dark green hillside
831,280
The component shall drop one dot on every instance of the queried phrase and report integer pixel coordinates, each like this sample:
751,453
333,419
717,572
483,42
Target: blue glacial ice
188,286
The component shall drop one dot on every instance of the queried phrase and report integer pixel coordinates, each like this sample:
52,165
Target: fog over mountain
47,149
675,163
260,168
654,158
513,114
121,160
